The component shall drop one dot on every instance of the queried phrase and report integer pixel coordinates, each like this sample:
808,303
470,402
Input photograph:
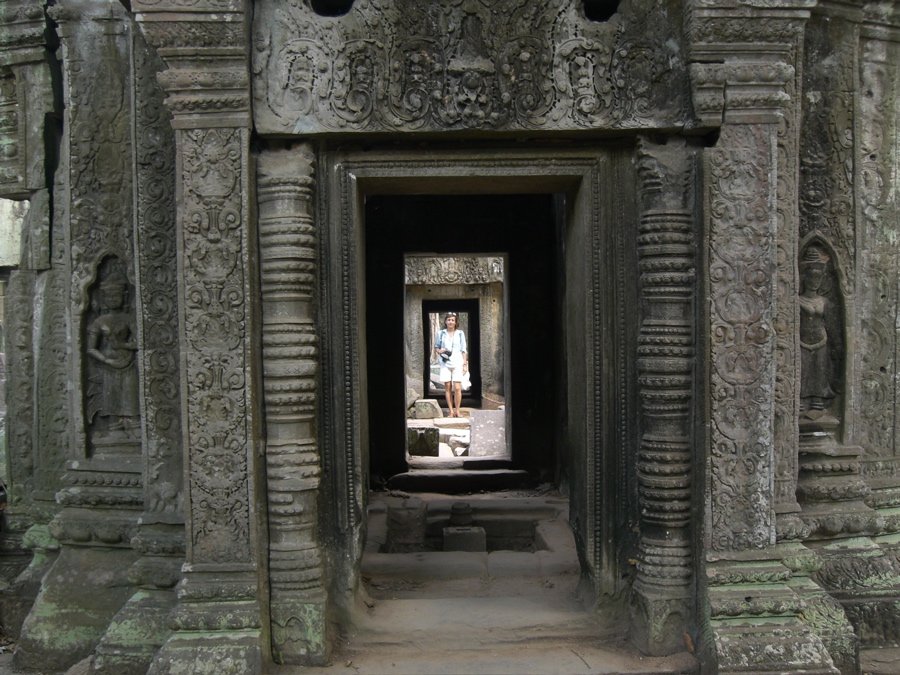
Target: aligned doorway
564,222
527,231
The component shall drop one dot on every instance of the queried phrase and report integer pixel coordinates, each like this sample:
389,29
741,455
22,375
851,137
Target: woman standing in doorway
450,345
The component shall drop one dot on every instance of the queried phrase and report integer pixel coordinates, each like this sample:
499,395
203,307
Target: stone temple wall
185,396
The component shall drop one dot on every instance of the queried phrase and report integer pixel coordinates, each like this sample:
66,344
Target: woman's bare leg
447,393
458,390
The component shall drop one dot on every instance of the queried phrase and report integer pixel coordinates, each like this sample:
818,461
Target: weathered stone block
80,596
423,441
406,526
488,433
427,409
469,538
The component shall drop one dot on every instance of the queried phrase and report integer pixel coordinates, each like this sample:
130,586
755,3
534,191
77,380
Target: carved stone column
754,619
94,297
878,352
218,618
288,243
664,588
141,626
26,96
26,106
851,85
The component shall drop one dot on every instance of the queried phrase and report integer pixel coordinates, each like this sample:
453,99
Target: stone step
460,482
452,422
532,656
486,463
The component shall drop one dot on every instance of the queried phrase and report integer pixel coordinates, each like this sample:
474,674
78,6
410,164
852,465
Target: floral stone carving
403,65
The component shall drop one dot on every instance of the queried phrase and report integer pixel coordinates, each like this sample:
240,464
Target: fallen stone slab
488,433
427,408
448,434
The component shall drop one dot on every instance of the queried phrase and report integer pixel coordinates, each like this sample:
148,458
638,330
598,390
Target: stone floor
492,613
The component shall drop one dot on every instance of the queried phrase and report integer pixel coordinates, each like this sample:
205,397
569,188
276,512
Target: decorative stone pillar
878,212
26,106
754,619
141,626
93,301
788,525
288,243
664,587
218,619
850,431
26,96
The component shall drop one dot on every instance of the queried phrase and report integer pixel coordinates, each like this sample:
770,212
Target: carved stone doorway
573,211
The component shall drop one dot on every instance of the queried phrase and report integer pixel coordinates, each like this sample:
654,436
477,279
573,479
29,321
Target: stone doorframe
600,184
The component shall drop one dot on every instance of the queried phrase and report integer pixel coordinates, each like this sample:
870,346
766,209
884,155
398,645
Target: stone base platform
454,482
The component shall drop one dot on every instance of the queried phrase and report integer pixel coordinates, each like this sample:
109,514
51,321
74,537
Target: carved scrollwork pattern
52,415
155,231
876,356
214,332
741,285
827,137
786,325
404,65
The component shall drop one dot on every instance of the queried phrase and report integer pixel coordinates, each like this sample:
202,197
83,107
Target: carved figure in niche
820,340
113,408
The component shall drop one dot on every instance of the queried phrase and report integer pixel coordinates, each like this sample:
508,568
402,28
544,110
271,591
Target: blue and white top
456,345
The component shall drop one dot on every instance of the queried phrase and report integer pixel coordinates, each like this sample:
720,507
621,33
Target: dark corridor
524,227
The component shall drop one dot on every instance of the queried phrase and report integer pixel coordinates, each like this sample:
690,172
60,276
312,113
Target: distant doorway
432,316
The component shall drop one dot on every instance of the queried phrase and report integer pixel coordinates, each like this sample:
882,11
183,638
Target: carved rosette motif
742,266
288,254
12,133
400,65
666,247
20,385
